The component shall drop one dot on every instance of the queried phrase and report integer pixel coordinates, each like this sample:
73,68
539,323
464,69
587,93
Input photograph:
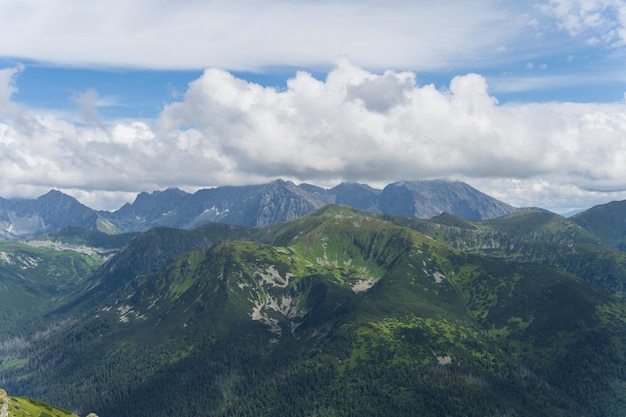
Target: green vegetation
532,236
36,279
605,222
25,407
340,313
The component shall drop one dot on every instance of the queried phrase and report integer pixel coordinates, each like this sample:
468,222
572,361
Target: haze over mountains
253,206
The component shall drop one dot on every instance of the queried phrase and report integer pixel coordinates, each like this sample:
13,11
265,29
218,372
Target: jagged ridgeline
336,313
254,206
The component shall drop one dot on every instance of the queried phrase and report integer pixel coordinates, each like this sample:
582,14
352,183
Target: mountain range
337,312
253,206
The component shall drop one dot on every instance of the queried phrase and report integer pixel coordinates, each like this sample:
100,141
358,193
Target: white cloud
605,18
354,125
243,34
8,109
88,105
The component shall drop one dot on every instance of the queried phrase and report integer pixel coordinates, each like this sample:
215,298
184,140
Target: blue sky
523,100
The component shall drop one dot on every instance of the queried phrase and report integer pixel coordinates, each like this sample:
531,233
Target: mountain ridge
253,206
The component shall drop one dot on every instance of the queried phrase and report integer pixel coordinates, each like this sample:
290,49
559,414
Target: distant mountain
352,194
607,222
425,199
278,201
149,210
251,206
417,199
254,206
21,219
339,312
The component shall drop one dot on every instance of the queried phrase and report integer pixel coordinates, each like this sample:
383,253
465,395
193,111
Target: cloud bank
354,125
247,35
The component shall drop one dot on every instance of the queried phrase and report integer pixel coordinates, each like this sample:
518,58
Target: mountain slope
337,313
253,206
148,253
607,222
26,218
542,225
149,210
35,278
360,196
425,199
531,236
25,407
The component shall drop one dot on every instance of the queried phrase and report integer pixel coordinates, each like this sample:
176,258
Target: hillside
607,222
147,253
20,219
35,278
532,236
336,313
25,407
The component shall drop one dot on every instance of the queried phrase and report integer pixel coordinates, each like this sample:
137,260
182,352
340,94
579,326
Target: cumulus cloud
353,125
381,94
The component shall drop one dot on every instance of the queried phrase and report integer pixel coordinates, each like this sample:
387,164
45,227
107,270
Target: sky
525,101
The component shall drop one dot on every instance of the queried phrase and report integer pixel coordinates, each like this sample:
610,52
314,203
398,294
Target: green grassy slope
338,313
532,236
26,407
147,253
35,279
607,222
